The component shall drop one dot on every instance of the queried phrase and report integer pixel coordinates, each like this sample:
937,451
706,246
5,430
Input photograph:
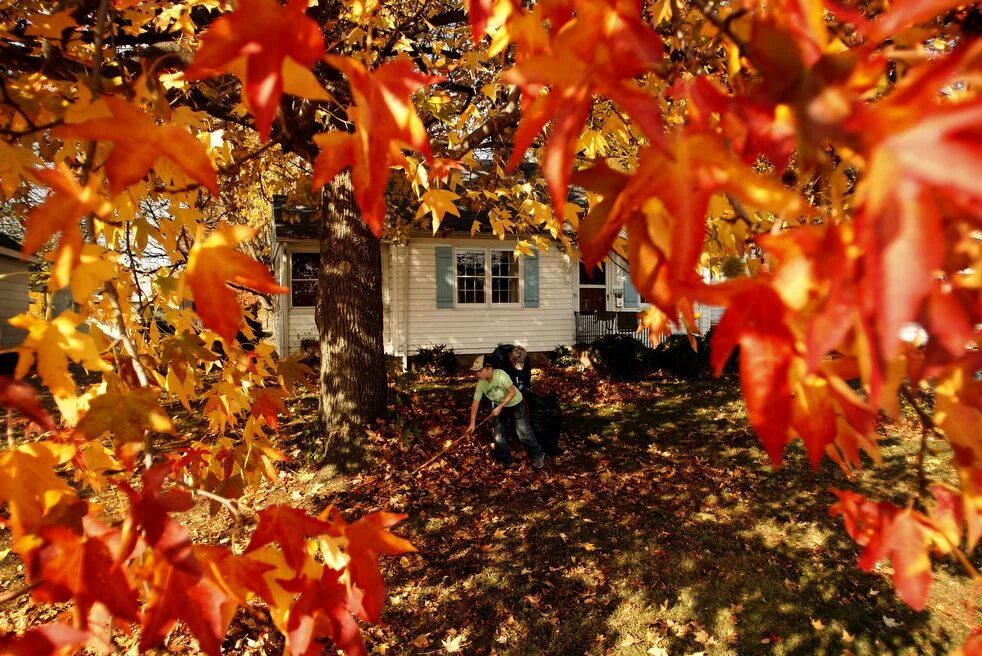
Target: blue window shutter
444,277
532,281
630,293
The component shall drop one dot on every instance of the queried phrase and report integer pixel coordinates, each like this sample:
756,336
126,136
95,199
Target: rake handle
447,448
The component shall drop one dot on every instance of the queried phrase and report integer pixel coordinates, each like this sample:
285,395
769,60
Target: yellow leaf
52,26
13,160
438,202
51,344
661,11
126,416
300,81
29,484
95,267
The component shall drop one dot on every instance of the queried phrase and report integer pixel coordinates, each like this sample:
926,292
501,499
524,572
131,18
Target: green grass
663,525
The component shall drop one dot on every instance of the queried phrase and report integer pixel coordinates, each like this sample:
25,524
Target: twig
927,425
19,592
447,448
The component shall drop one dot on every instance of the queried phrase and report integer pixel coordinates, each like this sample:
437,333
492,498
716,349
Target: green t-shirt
496,389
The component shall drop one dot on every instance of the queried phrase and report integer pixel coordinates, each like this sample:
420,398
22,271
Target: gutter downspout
405,306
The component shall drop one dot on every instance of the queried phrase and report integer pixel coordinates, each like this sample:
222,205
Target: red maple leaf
886,531
369,538
321,610
83,568
915,176
196,599
755,320
266,34
150,511
289,527
385,122
600,51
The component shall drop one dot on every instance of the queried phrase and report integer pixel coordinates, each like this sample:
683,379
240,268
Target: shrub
620,357
437,359
676,356
732,365
563,356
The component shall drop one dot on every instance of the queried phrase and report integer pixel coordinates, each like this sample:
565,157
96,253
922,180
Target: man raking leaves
496,385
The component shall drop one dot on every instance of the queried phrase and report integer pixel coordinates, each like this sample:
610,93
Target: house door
593,290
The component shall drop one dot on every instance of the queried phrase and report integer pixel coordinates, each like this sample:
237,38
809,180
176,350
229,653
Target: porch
591,325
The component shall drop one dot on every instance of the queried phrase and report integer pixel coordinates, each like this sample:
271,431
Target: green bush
563,356
675,356
621,357
437,359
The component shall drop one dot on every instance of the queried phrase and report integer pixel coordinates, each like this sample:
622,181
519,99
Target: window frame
488,278
293,279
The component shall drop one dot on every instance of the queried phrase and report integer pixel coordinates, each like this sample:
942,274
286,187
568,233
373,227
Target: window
504,277
303,279
479,271
470,277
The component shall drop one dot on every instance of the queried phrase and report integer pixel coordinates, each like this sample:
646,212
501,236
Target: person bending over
507,400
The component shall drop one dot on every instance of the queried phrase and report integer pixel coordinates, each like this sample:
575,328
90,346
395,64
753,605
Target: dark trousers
519,415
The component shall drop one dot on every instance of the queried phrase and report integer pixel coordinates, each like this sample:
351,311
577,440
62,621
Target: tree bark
349,323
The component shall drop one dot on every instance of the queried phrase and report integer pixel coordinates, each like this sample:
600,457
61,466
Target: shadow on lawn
662,524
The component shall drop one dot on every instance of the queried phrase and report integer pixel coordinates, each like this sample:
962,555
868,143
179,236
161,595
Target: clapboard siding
412,319
478,329
14,300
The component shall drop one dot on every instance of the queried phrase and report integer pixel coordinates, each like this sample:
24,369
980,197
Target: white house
14,288
466,292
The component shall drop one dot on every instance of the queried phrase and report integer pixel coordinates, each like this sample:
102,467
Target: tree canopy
832,146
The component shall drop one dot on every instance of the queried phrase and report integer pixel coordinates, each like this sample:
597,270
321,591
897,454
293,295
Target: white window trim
290,278
488,304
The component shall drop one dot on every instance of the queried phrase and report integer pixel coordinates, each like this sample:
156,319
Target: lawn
661,529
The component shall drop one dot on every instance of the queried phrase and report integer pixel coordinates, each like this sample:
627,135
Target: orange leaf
48,640
914,177
322,610
884,530
385,122
60,213
83,569
289,527
368,538
265,34
268,404
138,142
756,321
600,51
213,262
199,601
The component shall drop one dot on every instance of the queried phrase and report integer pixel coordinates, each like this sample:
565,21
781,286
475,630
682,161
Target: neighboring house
14,288
466,292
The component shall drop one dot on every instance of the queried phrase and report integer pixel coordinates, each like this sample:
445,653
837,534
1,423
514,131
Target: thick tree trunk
349,323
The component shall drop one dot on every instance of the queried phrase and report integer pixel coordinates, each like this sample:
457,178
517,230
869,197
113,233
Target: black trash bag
546,419
521,378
